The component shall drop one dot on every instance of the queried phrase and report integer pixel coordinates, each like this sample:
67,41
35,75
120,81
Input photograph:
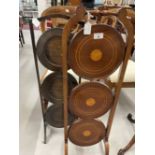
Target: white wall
42,5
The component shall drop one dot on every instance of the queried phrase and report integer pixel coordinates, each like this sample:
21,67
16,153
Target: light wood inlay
86,133
90,102
96,55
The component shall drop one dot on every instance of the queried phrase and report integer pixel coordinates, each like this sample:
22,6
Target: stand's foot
121,152
106,144
66,149
45,137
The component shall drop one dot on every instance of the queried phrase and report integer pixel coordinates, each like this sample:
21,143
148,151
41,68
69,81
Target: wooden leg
45,137
20,40
126,148
66,148
22,36
106,144
45,104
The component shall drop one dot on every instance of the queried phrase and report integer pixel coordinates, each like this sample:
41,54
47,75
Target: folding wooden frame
75,19
65,36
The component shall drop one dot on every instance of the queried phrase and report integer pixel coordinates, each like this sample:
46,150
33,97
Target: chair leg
61,2
126,148
132,141
20,40
56,2
130,118
22,36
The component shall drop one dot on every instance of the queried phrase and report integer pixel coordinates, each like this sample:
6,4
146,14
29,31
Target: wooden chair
131,142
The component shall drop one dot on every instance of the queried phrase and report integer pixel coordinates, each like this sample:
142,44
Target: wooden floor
31,132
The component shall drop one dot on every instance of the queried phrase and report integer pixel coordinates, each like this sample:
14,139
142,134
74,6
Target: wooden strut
122,17
80,12
107,148
120,84
67,29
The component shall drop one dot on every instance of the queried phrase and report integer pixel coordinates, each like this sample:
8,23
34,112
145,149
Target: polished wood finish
96,58
52,86
55,116
67,29
65,38
90,100
87,132
49,49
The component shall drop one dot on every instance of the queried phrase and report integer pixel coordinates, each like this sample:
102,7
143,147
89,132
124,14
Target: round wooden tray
49,49
87,132
55,116
90,100
99,57
52,87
